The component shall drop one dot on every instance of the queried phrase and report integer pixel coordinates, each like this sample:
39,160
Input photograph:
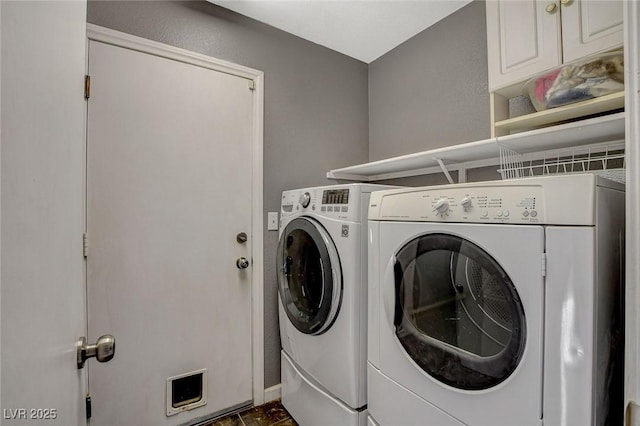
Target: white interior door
42,150
169,186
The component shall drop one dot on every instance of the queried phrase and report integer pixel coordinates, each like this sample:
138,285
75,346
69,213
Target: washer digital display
335,196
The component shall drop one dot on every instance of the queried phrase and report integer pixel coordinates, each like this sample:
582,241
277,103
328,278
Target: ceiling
362,29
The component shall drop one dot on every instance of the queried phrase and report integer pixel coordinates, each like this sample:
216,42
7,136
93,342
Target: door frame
632,153
128,41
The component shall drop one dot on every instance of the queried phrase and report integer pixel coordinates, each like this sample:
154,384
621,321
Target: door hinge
87,406
544,264
87,86
252,85
85,244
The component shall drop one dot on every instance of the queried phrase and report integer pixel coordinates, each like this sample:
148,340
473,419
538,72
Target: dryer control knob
305,199
441,206
465,203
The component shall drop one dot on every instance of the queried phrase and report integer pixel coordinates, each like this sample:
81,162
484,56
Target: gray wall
432,90
315,104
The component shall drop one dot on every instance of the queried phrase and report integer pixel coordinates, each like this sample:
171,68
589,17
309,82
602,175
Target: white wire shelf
606,129
607,160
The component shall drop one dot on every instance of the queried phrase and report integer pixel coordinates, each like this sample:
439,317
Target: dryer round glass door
309,276
457,313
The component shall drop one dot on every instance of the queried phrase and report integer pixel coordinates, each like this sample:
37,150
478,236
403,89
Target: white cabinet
522,39
590,27
525,37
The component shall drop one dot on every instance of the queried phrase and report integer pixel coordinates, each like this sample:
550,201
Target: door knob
551,7
566,2
241,238
103,350
242,263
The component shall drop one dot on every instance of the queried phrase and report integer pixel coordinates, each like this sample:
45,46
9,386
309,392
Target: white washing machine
322,270
497,303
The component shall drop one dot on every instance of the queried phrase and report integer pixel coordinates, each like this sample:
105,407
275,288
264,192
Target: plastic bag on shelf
586,79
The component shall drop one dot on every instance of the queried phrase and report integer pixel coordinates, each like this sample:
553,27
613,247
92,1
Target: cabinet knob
566,2
551,7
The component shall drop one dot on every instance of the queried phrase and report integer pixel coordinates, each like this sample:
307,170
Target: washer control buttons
485,214
525,213
505,213
499,214
534,213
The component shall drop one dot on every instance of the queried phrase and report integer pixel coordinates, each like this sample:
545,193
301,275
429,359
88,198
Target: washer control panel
339,203
500,204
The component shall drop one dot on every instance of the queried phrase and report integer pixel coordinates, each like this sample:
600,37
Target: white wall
42,209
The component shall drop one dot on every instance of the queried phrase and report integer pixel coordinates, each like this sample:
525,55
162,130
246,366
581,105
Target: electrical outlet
272,221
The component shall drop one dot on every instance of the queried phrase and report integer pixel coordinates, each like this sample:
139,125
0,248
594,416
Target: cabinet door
523,38
590,26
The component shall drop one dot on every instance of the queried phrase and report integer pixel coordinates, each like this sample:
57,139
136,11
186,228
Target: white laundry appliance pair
322,270
497,304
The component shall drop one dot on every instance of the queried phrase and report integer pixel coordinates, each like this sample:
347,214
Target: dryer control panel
477,204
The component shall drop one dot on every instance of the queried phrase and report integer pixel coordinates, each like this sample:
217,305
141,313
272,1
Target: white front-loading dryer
496,304
455,329
322,267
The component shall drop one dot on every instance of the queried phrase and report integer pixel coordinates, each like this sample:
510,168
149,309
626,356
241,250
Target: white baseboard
272,393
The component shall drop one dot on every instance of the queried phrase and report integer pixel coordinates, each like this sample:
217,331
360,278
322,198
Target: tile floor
269,414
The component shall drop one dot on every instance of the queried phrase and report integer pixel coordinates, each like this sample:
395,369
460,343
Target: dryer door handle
397,276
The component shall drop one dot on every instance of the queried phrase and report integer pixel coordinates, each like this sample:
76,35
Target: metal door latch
103,350
242,263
